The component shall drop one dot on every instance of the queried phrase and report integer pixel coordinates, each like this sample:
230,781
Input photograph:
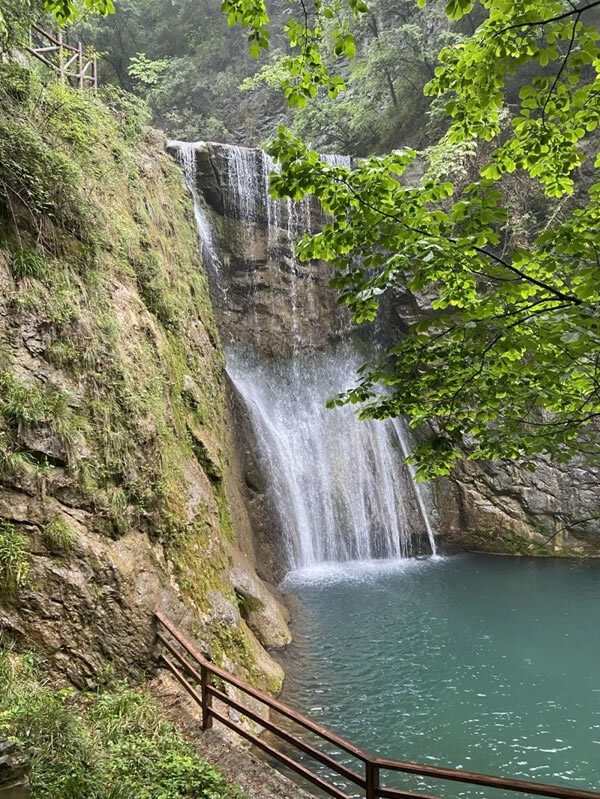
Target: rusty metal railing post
207,720
372,779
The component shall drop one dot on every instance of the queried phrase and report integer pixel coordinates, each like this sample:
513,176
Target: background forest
201,82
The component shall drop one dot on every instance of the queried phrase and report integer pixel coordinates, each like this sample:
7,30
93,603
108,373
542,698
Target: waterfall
402,434
186,155
339,487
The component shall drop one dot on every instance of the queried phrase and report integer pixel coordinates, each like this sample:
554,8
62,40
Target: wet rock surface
264,297
14,773
504,507
117,490
269,302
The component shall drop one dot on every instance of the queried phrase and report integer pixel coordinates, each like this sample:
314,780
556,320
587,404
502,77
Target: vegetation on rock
14,559
497,237
111,378
59,536
76,216
112,744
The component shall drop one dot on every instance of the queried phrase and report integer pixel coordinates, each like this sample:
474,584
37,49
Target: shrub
59,536
15,81
14,559
111,745
28,263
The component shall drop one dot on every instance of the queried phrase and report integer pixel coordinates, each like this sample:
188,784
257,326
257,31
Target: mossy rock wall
114,461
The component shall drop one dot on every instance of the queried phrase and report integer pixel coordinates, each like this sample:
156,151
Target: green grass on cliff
112,390
14,559
112,744
99,249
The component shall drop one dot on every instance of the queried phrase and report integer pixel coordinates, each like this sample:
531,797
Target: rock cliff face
503,507
269,302
118,491
319,485
263,297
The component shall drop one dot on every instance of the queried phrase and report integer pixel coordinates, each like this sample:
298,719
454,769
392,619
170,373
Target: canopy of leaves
68,10
504,361
16,16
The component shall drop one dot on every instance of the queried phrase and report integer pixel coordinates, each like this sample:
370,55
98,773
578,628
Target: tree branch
562,68
571,298
579,11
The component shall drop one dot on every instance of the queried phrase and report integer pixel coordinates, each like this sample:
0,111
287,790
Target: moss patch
507,542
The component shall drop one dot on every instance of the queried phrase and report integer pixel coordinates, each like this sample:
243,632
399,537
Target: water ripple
457,661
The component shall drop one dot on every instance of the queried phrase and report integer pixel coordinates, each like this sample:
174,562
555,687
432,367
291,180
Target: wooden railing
201,671
71,63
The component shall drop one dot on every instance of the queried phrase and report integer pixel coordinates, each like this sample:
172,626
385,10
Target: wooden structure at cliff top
72,64
205,682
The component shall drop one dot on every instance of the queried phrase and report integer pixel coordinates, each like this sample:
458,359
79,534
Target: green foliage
558,105
32,404
26,406
16,82
160,299
147,71
390,59
306,69
69,10
110,745
502,363
15,18
190,43
28,263
380,57
14,559
125,323
36,178
59,536
132,112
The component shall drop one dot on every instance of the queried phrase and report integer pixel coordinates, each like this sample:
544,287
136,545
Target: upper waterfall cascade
339,487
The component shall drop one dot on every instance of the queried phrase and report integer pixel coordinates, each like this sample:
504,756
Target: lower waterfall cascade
340,488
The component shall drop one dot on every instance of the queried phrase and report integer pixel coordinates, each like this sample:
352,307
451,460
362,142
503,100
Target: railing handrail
275,704
58,42
86,65
373,765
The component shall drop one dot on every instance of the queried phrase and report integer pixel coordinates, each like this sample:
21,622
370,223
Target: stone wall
14,781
